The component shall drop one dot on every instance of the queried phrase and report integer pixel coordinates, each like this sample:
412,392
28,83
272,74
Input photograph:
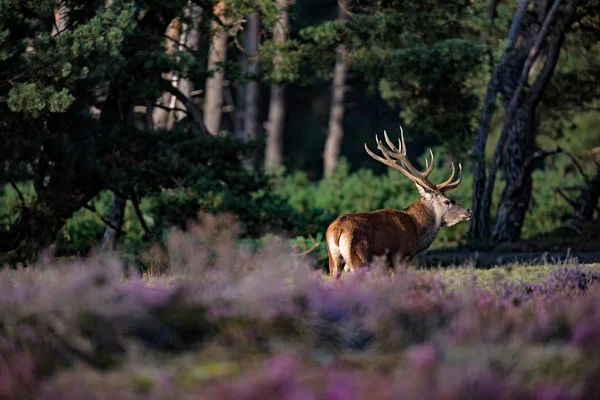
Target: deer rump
356,238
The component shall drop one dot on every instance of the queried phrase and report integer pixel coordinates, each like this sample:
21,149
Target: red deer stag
397,234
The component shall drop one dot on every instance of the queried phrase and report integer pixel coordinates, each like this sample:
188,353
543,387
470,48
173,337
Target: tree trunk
517,138
114,113
251,108
274,146
479,228
335,132
161,115
160,118
190,37
516,195
213,100
117,214
587,202
275,125
60,19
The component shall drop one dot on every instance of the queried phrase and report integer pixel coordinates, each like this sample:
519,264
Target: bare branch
578,166
533,54
21,197
158,105
178,43
528,165
104,219
138,213
189,105
560,192
343,11
543,78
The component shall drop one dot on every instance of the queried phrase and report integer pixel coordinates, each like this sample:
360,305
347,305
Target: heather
213,318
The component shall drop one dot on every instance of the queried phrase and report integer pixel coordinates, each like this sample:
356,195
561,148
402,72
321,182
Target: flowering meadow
214,319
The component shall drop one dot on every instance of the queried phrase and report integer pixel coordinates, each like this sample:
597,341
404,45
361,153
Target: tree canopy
78,100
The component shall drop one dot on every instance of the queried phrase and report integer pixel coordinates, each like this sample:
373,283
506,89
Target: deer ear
424,192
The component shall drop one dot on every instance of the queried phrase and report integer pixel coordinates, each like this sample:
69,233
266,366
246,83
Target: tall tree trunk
479,228
115,218
251,114
275,125
161,115
517,139
190,38
516,195
213,100
335,132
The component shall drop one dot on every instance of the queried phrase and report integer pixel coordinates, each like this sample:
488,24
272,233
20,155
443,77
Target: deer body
396,234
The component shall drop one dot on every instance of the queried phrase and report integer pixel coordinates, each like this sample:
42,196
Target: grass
457,276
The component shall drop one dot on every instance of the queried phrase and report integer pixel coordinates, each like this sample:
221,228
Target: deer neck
427,220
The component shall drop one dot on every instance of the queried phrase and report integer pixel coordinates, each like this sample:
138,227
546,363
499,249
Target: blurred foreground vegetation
215,319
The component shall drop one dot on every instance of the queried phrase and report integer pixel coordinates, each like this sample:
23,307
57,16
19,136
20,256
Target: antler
403,165
449,185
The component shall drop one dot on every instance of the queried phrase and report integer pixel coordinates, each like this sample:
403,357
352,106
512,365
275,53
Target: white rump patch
344,249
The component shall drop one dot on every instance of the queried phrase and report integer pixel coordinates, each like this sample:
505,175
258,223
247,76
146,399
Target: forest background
120,120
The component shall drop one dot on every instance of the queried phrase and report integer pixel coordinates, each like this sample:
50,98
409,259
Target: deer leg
335,261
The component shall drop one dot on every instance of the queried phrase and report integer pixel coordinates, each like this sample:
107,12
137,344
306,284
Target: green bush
291,205
362,190
345,191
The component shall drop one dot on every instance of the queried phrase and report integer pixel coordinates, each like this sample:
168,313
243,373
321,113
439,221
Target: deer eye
447,202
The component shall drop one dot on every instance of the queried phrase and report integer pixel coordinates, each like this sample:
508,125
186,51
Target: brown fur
389,232
398,234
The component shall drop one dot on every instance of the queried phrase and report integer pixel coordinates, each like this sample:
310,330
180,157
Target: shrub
345,191
225,321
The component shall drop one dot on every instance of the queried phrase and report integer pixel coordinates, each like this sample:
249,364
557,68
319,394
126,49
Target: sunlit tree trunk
60,19
213,100
335,131
160,115
275,125
190,37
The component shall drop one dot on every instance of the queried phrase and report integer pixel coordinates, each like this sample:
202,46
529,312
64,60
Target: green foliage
58,62
185,177
30,99
346,192
425,60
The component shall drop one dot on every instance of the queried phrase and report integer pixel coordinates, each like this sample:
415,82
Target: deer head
447,211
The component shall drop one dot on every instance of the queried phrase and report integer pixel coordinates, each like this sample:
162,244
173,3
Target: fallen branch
307,251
